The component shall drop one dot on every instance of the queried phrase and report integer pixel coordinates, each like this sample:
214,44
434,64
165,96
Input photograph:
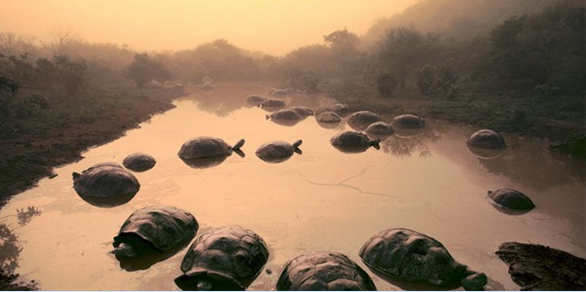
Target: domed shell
487,139
411,256
105,180
324,271
139,161
272,103
226,258
277,151
164,227
303,111
511,199
360,120
328,117
255,99
408,121
353,142
204,146
379,130
285,114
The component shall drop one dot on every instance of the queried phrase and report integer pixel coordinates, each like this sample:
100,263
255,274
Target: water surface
321,200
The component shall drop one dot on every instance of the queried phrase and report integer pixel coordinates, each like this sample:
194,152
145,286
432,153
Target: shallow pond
321,200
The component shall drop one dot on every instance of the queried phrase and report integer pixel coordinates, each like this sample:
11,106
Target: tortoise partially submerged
154,229
255,99
408,121
412,256
379,130
487,139
360,120
324,271
353,142
139,161
205,146
511,201
226,258
285,117
328,119
207,87
277,151
106,184
303,111
271,104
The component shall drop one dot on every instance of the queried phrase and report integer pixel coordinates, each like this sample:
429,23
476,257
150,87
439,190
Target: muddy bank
28,158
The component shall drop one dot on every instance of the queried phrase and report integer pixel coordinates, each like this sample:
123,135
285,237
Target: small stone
475,282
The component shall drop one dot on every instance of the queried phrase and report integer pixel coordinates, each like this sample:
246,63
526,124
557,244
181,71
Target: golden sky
272,26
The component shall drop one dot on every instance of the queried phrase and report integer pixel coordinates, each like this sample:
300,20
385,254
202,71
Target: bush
386,84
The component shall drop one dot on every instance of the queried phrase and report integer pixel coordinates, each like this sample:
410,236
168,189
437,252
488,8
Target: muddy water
321,200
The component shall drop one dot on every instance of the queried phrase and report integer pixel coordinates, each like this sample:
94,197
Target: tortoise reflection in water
412,256
226,258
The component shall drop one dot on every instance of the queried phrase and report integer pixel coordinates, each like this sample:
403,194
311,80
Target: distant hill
458,18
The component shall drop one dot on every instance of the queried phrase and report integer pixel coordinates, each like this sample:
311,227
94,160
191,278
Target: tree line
542,52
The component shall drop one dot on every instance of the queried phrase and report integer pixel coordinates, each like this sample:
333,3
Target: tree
71,73
544,48
386,83
404,50
144,69
343,50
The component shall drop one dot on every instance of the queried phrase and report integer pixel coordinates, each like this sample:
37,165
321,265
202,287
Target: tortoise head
75,175
238,144
375,144
297,143
124,250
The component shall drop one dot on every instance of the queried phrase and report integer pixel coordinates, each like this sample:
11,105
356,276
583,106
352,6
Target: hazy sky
272,26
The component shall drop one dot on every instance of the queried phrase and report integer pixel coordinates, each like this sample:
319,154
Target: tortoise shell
412,256
161,227
511,199
303,111
324,271
353,142
255,99
226,258
328,117
409,121
487,139
360,120
139,161
105,180
285,114
379,129
277,151
204,146
272,103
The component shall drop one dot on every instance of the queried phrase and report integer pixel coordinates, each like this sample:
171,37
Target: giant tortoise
154,229
408,255
324,271
360,120
510,201
139,161
277,151
353,142
225,258
106,184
